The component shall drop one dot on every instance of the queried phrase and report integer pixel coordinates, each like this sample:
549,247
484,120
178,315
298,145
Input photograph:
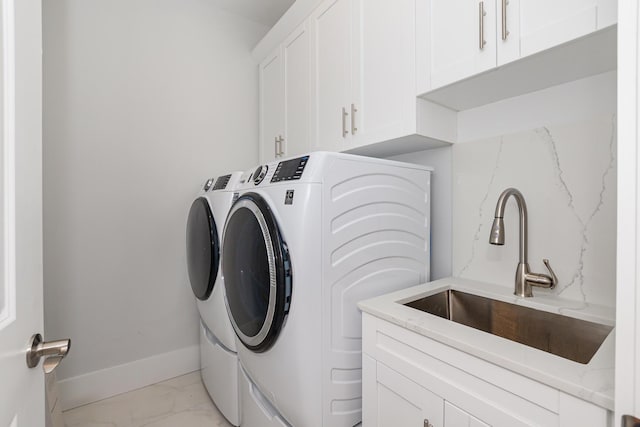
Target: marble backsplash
567,174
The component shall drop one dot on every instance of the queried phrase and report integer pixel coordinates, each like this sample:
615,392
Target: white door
331,74
271,106
540,24
402,402
384,82
627,380
21,388
525,27
462,40
297,88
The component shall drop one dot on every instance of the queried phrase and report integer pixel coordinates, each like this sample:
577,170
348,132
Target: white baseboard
98,385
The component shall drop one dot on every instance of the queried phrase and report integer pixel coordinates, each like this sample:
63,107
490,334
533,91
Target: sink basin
570,338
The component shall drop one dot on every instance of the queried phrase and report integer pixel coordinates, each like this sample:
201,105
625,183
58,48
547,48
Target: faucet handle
554,278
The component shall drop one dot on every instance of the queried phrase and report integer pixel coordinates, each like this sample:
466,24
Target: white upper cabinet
384,72
271,105
462,39
381,77
331,76
296,55
363,78
284,98
525,27
349,84
466,38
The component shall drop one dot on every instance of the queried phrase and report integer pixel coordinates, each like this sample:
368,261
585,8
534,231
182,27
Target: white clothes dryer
218,356
306,239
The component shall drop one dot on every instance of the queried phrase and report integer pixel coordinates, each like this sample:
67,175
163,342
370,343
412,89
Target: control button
208,184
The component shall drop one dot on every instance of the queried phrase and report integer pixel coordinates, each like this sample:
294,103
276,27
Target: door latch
52,351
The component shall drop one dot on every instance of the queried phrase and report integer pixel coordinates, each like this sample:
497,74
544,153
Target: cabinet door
330,27
455,30
401,402
456,417
537,25
271,105
384,88
296,54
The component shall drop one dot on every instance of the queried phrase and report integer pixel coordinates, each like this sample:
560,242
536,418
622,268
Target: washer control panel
290,169
221,182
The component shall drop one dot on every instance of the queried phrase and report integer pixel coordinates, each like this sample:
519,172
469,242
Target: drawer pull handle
354,110
505,32
481,15
345,132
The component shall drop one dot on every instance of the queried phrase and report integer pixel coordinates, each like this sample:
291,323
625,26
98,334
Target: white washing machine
306,239
218,356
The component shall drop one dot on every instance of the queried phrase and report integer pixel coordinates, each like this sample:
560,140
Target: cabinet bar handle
275,146
505,32
354,110
280,149
481,15
345,132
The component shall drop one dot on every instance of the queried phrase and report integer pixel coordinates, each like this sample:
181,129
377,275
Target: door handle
630,421
52,351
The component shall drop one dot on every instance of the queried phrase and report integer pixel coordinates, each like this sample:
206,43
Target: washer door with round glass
203,249
257,272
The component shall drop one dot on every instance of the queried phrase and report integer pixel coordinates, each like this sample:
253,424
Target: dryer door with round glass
203,248
257,272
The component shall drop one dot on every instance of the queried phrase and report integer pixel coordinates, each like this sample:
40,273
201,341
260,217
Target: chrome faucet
524,278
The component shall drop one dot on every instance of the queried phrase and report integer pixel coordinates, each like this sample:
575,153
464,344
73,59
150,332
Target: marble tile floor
181,401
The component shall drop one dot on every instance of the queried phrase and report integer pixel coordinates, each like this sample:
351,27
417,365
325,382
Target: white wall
143,100
558,146
567,174
440,160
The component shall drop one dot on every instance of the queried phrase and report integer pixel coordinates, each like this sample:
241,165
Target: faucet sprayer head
497,232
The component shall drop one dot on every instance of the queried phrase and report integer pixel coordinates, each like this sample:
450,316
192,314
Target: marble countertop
593,382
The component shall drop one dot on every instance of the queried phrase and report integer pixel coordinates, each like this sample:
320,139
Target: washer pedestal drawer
219,370
256,409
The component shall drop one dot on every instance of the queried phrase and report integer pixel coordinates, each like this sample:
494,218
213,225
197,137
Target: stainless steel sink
570,338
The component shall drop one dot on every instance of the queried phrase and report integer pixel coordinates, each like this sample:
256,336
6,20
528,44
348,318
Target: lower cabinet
401,402
454,416
411,380
398,401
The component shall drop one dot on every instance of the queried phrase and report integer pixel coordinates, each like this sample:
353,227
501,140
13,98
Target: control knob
259,174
